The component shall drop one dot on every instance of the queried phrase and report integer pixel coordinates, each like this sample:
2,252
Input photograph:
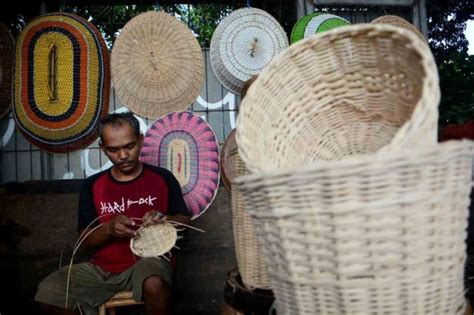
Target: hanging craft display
157,65
62,82
7,61
185,144
399,22
243,44
315,23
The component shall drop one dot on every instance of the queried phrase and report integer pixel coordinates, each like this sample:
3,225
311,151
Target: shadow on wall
38,227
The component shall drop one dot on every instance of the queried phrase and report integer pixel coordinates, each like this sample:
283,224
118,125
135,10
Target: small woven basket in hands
252,265
368,234
154,240
352,90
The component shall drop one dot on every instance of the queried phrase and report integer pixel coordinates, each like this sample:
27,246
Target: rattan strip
399,22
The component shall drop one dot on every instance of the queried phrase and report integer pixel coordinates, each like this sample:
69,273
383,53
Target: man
128,190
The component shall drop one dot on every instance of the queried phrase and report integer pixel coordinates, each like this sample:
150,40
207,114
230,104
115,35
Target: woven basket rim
354,160
419,46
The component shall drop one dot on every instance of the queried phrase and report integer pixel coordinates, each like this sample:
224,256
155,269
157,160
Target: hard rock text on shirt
122,205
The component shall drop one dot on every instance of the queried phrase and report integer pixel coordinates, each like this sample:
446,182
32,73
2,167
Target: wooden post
303,7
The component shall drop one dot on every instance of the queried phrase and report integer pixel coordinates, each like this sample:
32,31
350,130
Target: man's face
122,147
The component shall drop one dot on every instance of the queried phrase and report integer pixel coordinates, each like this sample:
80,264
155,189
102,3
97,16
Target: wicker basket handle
53,73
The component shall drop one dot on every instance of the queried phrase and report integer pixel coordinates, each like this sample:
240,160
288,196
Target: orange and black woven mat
62,82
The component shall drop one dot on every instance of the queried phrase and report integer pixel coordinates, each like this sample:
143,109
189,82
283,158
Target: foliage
446,24
457,88
202,19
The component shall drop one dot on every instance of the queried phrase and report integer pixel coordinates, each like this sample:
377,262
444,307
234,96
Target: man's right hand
121,226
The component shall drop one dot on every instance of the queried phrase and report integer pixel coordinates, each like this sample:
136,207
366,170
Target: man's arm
119,226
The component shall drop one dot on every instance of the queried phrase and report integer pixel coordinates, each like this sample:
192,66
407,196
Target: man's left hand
153,217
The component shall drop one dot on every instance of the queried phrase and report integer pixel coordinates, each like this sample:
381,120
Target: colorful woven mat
315,23
185,144
62,82
7,63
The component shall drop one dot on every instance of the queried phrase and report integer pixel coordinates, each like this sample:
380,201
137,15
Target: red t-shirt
103,196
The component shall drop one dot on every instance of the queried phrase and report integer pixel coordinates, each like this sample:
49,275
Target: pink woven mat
185,144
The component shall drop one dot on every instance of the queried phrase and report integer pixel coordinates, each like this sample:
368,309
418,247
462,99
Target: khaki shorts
90,286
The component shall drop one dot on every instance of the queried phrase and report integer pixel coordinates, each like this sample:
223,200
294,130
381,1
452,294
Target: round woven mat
7,63
228,154
315,23
154,240
62,82
186,145
157,65
399,22
242,44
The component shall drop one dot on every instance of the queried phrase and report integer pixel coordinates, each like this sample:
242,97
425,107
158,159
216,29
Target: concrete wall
39,220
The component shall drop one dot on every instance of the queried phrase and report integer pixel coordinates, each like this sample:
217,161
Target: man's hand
120,226
153,217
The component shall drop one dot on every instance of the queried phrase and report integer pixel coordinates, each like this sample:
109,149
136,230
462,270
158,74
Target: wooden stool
120,299
242,299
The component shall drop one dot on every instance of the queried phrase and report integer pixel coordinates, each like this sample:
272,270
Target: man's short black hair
117,120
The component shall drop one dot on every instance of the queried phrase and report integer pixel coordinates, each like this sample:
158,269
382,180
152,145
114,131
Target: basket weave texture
157,65
61,82
154,240
352,90
186,145
366,235
243,44
250,260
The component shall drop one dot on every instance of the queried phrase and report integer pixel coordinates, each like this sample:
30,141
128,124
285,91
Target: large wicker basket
252,265
352,90
368,234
